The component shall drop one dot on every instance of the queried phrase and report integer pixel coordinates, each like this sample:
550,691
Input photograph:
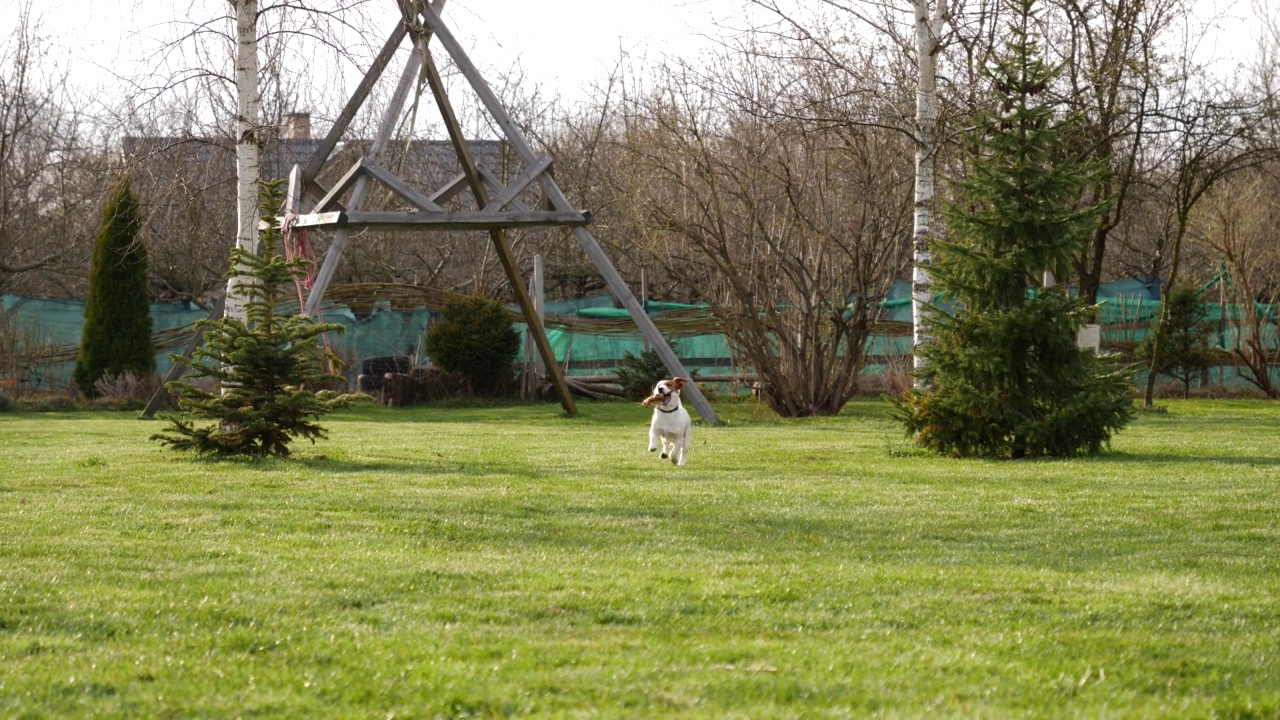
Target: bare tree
1113,71
1241,224
1242,218
791,232
923,40
48,191
188,186
1209,137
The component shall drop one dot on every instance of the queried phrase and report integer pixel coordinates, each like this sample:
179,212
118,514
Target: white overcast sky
563,44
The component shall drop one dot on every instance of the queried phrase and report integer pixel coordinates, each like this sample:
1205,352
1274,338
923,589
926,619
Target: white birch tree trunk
928,41
248,112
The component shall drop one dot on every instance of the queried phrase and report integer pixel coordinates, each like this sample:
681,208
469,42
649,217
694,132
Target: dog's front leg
653,438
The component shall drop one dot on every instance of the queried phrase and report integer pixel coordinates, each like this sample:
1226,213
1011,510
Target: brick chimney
297,126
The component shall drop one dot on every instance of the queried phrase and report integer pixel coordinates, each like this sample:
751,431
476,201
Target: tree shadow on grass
400,466
1120,456
325,464
392,465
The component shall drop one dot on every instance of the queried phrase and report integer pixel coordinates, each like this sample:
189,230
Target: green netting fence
589,336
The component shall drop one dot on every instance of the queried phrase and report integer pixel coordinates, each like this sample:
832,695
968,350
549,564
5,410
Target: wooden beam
321,220
494,183
177,370
293,195
326,203
519,183
389,117
399,187
316,190
417,220
450,189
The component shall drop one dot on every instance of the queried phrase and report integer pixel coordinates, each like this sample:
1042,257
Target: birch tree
929,23
224,81
248,148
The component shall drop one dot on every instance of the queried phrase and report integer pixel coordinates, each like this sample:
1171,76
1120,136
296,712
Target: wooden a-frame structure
499,205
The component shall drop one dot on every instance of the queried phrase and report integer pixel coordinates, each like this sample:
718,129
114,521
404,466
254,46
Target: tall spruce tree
116,338
1004,376
265,366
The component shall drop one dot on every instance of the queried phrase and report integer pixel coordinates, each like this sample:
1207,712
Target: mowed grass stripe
509,561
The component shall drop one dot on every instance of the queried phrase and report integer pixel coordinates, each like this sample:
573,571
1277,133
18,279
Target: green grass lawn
511,562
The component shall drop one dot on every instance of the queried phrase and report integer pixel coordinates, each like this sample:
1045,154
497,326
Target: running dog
671,428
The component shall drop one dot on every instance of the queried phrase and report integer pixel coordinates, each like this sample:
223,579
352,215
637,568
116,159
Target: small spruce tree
475,339
637,374
1185,352
263,365
1004,376
116,338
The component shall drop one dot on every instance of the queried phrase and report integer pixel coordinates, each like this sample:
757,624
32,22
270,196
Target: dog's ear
677,383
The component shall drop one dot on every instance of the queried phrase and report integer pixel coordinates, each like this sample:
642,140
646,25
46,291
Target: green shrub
475,339
6,401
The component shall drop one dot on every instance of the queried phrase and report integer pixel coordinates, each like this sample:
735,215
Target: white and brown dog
671,428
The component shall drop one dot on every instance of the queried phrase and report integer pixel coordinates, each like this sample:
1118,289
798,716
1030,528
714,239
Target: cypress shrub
117,317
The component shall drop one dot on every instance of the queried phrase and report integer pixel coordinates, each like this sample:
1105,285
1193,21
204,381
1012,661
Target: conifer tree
1185,352
1004,376
117,314
264,365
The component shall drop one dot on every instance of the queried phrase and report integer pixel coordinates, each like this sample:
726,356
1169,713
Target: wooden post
528,384
498,236
534,367
1222,318
539,307
644,298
